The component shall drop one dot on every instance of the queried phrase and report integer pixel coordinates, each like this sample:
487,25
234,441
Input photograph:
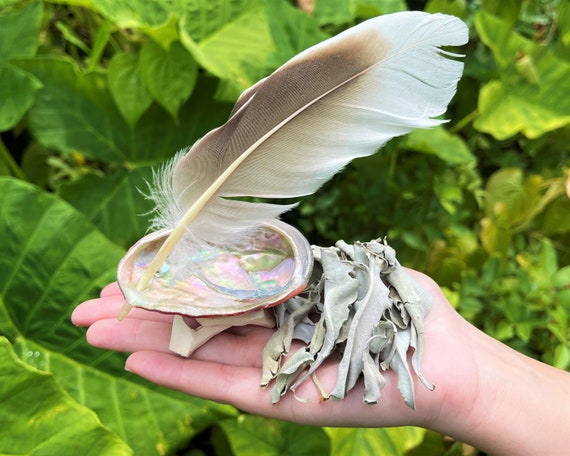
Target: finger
245,349
239,386
130,335
111,290
87,313
206,379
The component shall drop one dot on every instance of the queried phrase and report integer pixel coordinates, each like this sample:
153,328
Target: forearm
521,406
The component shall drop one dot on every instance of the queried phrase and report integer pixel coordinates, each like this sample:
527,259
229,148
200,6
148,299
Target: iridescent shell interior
270,267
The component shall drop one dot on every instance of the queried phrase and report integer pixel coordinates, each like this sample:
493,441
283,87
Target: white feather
291,132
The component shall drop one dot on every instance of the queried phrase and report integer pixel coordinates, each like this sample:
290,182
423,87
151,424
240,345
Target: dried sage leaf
341,290
374,381
371,315
382,334
294,365
369,310
399,364
280,342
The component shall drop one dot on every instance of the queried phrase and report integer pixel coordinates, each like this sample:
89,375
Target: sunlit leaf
562,356
345,11
441,143
266,437
149,16
495,234
510,194
334,12
455,7
238,53
387,442
292,31
564,22
39,417
202,20
252,44
71,36
526,98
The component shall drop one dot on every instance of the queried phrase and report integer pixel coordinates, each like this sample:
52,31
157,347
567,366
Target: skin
487,394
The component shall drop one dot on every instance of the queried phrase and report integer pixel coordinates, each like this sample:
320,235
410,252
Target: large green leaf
387,442
237,53
19,38
38,417
159,18
151,421
19,31
454,7
345,11
564,22
17,93
252,44
250,435
441,143
76,113
131,14
52,258
127,86
527,96
203,19
292,31
507,10
170,76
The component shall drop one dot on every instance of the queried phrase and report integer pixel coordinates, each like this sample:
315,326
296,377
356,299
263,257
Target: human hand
228,368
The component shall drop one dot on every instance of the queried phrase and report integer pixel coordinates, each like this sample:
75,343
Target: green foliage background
94,93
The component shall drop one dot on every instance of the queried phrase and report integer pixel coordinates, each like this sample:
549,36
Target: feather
292,131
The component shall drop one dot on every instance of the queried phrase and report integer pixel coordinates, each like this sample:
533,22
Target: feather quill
292,131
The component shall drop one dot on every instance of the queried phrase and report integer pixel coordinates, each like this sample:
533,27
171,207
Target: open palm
228,368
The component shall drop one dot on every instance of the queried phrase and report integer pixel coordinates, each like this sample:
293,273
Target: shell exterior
272,266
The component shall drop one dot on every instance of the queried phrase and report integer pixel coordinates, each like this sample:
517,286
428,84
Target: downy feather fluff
292,131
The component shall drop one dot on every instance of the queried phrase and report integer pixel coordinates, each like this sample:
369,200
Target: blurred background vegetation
94,93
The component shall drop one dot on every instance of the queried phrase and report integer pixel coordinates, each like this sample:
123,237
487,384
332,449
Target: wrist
513,405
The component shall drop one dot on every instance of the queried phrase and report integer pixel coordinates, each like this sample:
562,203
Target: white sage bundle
360,305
